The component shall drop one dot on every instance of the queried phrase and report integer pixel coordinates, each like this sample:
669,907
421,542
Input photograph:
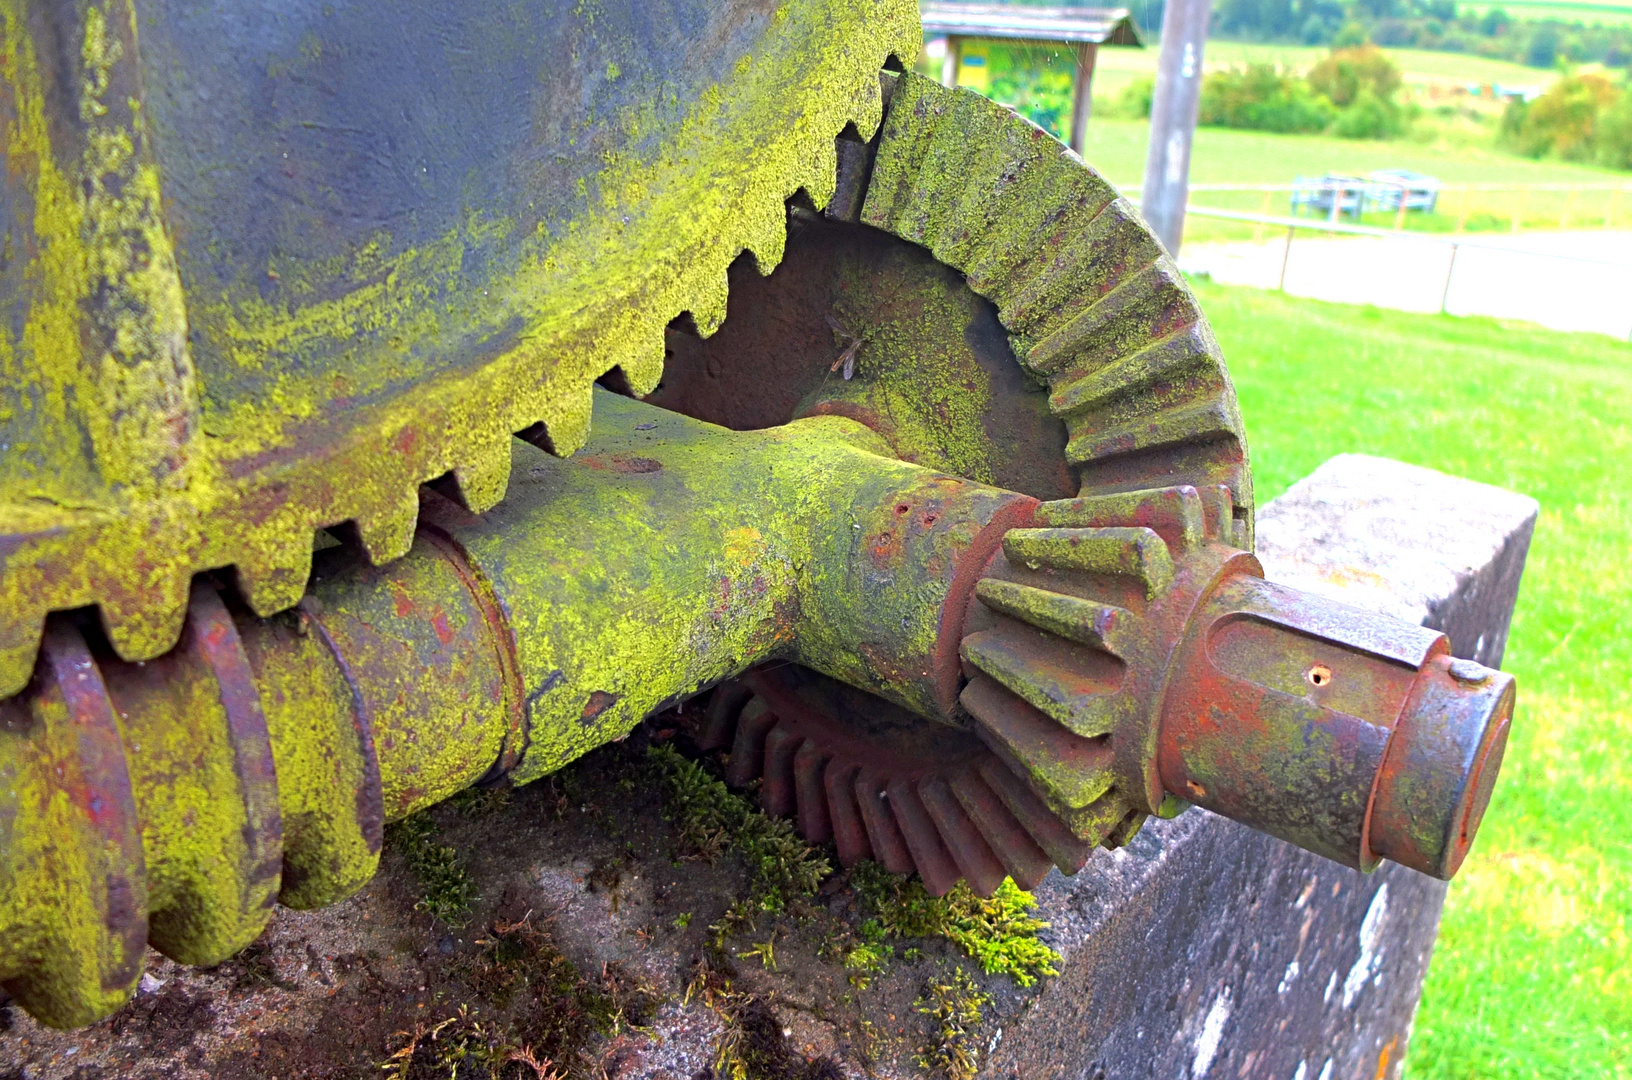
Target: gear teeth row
966,817
1091,302
271,553
1049,670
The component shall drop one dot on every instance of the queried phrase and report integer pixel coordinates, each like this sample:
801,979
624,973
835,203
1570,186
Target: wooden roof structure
1074,25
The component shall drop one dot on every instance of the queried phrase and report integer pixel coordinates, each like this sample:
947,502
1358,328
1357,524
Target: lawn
1531,976
1604,13
1421,68
1228,156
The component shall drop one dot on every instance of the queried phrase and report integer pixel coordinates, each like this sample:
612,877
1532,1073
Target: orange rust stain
1382,1058
403,602
444,632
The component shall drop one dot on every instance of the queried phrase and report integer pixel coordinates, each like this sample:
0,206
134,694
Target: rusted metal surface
878,782
1134,624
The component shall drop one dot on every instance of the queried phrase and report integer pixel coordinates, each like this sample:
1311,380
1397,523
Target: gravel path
1511,277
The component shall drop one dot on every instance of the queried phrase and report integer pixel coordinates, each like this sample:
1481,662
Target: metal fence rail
1600,204
1455,244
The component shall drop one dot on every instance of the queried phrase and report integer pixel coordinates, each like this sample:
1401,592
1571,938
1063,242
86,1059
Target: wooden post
1173,119
1399,218
1445,297
1263,211
1082,94
949,63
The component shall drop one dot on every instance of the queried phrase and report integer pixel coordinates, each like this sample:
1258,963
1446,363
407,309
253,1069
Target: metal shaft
171,803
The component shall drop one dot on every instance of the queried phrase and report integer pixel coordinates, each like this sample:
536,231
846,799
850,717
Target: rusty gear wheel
879,782
985,302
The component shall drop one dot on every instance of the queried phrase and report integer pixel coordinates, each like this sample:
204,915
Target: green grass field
1603,13
1532,975
1227,156
1117,67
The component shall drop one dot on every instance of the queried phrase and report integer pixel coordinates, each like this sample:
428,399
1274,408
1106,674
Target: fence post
1286,256
1445,297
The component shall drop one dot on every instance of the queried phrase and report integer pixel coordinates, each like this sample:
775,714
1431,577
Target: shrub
1614,134
1134,101
1346,72
1262,97
1368,117
1564,120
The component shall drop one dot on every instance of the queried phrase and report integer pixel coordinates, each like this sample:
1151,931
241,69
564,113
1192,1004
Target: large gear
283,308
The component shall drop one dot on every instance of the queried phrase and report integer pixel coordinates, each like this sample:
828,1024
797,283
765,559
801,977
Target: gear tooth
820,180
1158,429
1067,770
148,625
1103,626
809,768
768,247
883,835
1072,685
1051,834
708,303
968,848
276,580
643,368
1126,829
1180,515
1149,305
1181,359
916,110
484,475
387,532
844,812
930,858
1218,509
748,748
869,109
1114,245
1138,553
720,720
1025,862
776,794
19,645
1104,820
564,426
997,206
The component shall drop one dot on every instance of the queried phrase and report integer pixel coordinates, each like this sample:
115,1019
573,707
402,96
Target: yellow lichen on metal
244,480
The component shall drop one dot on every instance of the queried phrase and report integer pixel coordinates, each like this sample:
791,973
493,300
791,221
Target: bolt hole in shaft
1318,675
